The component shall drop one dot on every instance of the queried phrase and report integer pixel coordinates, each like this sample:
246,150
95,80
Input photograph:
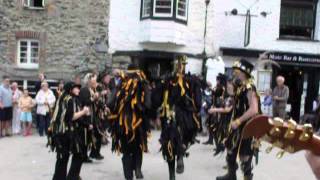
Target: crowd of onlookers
18,109
19,112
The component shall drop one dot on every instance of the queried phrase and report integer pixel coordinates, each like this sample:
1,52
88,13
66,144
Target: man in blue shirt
5,107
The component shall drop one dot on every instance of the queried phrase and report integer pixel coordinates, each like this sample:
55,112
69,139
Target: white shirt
43,97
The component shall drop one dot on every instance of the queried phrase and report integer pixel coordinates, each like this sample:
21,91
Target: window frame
26,4
142,9
293,4
28,64
185,18
159,16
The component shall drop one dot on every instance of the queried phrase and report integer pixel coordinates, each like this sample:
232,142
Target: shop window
264,80
37,4
28,53
167,9
297,19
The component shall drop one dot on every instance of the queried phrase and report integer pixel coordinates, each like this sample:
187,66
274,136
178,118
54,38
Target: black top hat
244,65
69,86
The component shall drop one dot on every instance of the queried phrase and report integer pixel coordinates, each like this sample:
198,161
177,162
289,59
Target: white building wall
128,33
229,31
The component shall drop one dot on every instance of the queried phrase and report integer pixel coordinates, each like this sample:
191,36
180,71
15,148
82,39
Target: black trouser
131,159
62,166
44,121
246,156
97,146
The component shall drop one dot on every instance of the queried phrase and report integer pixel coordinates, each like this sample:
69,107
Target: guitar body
285,135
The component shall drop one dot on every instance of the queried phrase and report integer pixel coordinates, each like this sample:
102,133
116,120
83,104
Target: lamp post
204,53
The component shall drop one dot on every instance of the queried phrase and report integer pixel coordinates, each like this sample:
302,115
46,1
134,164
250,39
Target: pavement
27,158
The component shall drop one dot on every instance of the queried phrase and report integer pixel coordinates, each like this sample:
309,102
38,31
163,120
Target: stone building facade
59,38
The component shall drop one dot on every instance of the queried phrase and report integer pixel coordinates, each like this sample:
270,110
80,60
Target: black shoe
248,177
207,143
180,166
87,160
228,176
218,150
97,157
139,174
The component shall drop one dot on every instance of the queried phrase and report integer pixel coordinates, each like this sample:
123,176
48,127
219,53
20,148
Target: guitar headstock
288,136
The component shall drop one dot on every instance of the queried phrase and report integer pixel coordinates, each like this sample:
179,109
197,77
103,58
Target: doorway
294,79
155,67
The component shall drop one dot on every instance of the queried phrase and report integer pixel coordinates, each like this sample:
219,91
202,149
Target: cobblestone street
29,159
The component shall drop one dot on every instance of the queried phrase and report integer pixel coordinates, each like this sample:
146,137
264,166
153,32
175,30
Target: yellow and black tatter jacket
64,133
180,102
129,125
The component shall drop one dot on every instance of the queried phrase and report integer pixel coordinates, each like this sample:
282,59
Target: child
26,104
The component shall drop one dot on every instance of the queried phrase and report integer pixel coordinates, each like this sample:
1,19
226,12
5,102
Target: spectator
59,90
45,100
42,78
116,80
26,104
280,98
16,124
316,104
77,80
267,102
5,107
206,105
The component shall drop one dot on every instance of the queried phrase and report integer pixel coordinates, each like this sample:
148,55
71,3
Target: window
146,8
297,19
36,4
264,80
165,9
28,53
182,9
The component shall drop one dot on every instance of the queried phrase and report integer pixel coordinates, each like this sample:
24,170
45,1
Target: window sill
31,68
34,8
296,39
180,21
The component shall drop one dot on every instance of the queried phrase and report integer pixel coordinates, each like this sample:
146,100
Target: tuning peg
290,149
278,144
269,149
280,154
292,126
275,131
307,133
